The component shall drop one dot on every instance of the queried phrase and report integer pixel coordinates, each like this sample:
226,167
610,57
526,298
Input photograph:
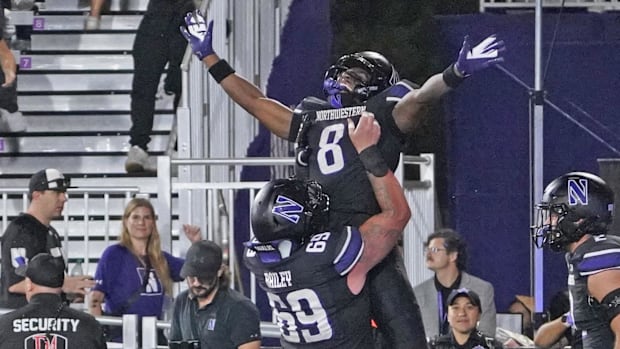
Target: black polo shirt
229,321
24,237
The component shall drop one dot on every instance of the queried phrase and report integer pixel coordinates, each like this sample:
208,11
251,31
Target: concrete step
79,123
75,82
77,208
84,103
143,184
53,22
78,144
88,41
99,61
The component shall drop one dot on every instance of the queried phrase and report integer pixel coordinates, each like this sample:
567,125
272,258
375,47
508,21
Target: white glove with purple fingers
487,53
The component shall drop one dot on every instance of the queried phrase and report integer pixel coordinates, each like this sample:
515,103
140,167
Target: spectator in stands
11,119
524,305
135,275
446,255
31,233
38,325
464,311
560,331
210,314
158,42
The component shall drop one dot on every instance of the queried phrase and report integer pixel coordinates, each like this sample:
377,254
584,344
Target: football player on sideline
363,81
574,216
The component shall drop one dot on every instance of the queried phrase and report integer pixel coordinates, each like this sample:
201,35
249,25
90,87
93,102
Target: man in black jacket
31,233
47,322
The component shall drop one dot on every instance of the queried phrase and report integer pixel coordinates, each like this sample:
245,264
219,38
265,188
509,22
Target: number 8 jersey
325,152
308,290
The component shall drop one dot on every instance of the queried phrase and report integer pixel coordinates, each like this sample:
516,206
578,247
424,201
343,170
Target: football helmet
289,209
371,71
574,204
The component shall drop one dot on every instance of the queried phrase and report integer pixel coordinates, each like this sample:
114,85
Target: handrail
104,190
272,161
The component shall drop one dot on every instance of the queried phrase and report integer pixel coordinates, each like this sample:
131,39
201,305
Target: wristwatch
564,321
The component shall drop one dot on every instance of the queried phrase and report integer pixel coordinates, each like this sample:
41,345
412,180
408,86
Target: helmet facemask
316,208
367,69
554,227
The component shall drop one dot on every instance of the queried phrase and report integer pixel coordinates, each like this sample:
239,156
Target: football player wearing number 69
357,82
315,278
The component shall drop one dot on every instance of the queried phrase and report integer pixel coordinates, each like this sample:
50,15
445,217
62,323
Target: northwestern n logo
577,191
287,209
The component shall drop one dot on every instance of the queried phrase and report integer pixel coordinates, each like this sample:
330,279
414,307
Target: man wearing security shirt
47,322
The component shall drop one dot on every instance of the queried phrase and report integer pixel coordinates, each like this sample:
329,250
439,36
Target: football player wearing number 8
315,278
363,81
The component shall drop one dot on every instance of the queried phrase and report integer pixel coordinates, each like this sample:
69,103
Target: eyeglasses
433,250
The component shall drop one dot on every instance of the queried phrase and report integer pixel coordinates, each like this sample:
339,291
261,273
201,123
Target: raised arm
412,108
382,231
271,113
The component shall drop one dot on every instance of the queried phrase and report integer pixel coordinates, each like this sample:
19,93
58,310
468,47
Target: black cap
48,179
465,292
44,270
203,260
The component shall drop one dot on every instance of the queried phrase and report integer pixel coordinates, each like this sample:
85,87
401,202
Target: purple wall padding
487,128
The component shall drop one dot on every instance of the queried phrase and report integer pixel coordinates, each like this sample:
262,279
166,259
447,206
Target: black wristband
450,77
220,70
373,161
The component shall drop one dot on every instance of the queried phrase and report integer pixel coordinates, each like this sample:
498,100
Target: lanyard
442,314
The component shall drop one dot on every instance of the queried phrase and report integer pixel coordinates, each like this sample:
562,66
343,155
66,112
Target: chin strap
340,97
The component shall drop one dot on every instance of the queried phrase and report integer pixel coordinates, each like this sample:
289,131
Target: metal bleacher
521,5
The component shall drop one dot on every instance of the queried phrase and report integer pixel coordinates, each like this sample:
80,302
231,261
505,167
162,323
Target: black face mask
344,99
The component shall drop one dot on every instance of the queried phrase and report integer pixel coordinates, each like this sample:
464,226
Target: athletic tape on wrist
373,161
450,77
220,70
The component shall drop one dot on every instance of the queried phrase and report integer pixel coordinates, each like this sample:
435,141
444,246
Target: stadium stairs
74,92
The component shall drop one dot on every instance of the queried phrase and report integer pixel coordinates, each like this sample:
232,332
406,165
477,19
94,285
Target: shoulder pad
351,247
312,103
602,253
399,90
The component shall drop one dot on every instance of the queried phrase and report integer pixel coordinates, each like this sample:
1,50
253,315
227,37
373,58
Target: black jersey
48,323
321,134
309,294
476,340
23,239
597,254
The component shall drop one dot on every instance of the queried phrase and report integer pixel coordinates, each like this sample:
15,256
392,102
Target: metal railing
78,223
221,213
590,5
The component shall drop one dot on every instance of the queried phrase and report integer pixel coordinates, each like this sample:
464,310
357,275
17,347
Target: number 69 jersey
325,152
308,291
